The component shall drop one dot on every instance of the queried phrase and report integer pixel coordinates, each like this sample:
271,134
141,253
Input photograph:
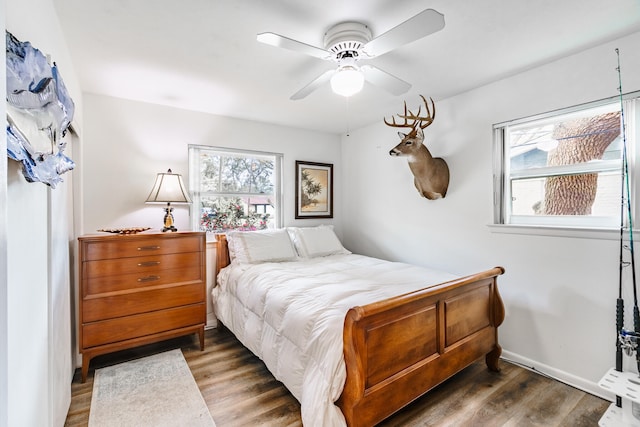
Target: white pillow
311,242
231,247
251,247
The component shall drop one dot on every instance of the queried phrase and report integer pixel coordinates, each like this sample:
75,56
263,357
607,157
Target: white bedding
291,315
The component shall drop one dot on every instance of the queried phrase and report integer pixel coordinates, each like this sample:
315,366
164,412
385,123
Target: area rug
158,390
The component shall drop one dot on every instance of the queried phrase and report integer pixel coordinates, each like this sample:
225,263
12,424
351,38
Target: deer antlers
423,122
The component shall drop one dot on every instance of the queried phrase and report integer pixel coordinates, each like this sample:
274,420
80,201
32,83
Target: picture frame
314,190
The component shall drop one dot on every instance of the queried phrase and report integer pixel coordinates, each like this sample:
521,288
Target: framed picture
314,190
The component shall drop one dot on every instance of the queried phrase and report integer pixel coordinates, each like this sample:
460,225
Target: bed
353,338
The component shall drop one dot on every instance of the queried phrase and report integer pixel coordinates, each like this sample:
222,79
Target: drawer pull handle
148,278
148,248
148,263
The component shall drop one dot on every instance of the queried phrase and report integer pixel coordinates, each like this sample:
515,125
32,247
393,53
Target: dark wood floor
240,391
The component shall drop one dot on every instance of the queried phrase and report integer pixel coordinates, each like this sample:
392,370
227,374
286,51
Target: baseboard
212,321
558,375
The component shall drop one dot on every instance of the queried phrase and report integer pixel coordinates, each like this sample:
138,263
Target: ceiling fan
349,42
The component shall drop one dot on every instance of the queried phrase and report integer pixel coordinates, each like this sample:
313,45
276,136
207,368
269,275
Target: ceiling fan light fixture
347,81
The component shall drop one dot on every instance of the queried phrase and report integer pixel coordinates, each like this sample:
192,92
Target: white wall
4,274
559,292
28,292
128,142
39,367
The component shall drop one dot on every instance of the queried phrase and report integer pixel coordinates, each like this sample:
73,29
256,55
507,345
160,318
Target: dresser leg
85,367
201,336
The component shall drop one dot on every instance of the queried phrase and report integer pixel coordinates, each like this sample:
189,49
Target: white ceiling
203,55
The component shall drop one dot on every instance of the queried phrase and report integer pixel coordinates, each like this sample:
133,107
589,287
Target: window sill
554,231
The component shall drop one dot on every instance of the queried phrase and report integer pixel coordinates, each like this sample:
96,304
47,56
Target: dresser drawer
144,265
128,303
135,246
97,286
124,328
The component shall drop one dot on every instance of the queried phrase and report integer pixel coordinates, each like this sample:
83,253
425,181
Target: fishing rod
627,341
620,300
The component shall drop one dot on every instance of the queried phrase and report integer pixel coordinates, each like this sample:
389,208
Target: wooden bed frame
397,349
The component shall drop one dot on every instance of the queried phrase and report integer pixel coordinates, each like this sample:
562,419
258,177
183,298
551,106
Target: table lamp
168,189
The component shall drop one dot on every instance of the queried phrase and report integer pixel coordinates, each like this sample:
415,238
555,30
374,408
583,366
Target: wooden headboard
222,253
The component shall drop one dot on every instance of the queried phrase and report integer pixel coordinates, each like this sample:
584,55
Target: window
564,168
234,189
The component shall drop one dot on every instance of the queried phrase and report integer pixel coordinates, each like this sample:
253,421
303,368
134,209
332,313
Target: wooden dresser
140,288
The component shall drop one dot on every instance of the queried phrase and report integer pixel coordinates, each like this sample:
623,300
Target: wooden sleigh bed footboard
398,349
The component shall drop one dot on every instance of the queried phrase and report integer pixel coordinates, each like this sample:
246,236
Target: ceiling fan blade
386,81
421,25
315,84
287,43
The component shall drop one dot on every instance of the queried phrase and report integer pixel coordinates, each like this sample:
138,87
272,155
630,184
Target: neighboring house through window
234,189
564,168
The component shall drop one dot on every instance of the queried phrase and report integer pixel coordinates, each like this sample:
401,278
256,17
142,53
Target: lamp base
168,219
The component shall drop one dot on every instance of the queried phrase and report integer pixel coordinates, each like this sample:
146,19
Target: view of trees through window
233,190
580,141
566,143
563,168
231,174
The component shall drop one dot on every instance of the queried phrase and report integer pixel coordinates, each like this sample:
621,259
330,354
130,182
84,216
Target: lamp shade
347,81
168,188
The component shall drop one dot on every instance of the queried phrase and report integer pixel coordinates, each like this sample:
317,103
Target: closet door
60,244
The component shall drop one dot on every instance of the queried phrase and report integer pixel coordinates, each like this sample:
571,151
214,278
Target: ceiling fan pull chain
348,120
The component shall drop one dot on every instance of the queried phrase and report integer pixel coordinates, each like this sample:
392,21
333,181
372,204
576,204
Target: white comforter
291,315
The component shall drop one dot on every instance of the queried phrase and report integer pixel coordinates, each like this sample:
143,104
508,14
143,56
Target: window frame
502,176
194,152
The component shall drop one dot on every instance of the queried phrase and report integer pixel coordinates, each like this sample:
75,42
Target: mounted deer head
431,174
